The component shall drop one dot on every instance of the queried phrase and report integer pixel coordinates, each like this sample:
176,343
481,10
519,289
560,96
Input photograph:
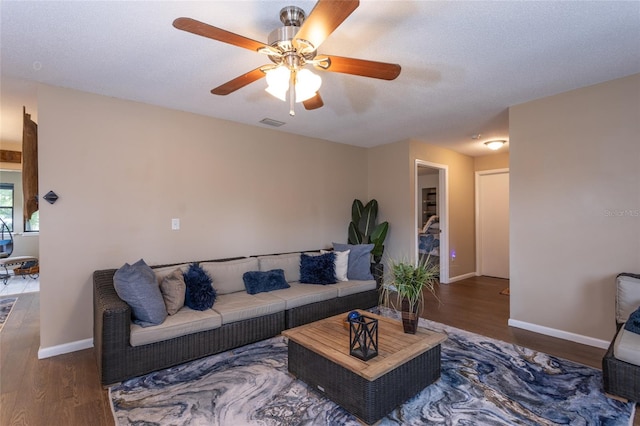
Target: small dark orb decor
363,336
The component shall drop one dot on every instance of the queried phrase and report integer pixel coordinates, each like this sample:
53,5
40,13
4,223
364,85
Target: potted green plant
363,228
406,286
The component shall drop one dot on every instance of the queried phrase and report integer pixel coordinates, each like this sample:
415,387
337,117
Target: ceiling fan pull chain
292,92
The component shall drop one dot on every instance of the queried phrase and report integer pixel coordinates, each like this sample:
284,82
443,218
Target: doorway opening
431,215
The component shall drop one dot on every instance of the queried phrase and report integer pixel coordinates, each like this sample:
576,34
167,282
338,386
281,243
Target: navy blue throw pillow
262,281
633,323
200,294
318,269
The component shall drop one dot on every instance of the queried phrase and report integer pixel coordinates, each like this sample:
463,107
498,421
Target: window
33,224
6,204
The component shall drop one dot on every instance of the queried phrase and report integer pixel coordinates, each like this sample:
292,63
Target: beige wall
461,203
392,183
389,183
123,170
575,205
491,162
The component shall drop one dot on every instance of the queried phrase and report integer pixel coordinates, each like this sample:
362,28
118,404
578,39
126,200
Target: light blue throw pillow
138,286
359,267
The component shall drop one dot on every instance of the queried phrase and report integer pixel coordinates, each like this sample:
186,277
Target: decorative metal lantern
363,337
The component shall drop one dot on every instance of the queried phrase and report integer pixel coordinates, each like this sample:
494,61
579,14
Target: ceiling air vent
272,122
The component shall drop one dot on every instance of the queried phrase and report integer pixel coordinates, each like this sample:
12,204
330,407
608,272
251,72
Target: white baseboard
65,349
560,334
460,277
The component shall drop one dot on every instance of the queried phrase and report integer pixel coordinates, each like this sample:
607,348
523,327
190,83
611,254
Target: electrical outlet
175,224
453,255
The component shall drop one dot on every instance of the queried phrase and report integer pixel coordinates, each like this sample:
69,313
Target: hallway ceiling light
495,144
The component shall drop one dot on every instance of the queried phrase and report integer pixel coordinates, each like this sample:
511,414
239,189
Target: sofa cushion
200,294
347,288
262,281
185,321
227,275
627,296
173,291
302,294
359,260
341,263
239,306
289,263
137,285
317,269
626,347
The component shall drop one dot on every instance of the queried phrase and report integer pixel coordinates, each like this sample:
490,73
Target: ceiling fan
290,48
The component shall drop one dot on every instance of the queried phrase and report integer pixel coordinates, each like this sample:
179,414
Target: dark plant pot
409,319
377,270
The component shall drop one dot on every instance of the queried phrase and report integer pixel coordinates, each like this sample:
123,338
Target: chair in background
6,240
23,265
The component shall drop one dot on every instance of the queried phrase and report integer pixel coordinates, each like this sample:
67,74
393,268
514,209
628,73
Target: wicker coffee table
406,364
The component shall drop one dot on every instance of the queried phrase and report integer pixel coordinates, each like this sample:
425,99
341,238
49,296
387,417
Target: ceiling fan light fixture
278,82
307,83
495,144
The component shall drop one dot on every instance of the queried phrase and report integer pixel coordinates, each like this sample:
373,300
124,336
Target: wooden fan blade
313,103
239,82
206,30
361,67
325,17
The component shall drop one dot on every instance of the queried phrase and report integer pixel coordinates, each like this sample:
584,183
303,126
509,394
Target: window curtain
29,165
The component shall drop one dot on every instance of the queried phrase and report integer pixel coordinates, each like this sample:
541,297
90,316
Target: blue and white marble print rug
483,382
6,305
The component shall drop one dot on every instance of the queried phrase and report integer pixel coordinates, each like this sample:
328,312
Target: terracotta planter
409,319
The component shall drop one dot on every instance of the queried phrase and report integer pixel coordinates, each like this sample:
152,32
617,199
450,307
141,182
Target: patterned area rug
484,382
6,305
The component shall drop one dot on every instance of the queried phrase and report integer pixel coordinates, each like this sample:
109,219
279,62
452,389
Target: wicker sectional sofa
621,362
124,350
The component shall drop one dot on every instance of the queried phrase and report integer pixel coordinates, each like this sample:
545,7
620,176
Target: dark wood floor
65,389
476,305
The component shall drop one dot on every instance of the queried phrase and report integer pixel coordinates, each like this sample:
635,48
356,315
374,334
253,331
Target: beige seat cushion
627,347
240,306
345,288
185,321
303,294
227,276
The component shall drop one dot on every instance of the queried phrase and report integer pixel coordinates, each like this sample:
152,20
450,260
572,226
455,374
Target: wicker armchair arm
112,316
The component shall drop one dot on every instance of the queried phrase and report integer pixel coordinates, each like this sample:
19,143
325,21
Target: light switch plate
175,224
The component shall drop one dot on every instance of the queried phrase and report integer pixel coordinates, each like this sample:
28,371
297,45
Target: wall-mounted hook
51,197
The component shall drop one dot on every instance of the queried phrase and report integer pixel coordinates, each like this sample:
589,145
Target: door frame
443,205
478,175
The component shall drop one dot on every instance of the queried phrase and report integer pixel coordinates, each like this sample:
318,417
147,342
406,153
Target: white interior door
493,223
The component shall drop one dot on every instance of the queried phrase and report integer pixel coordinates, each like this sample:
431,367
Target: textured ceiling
463,63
